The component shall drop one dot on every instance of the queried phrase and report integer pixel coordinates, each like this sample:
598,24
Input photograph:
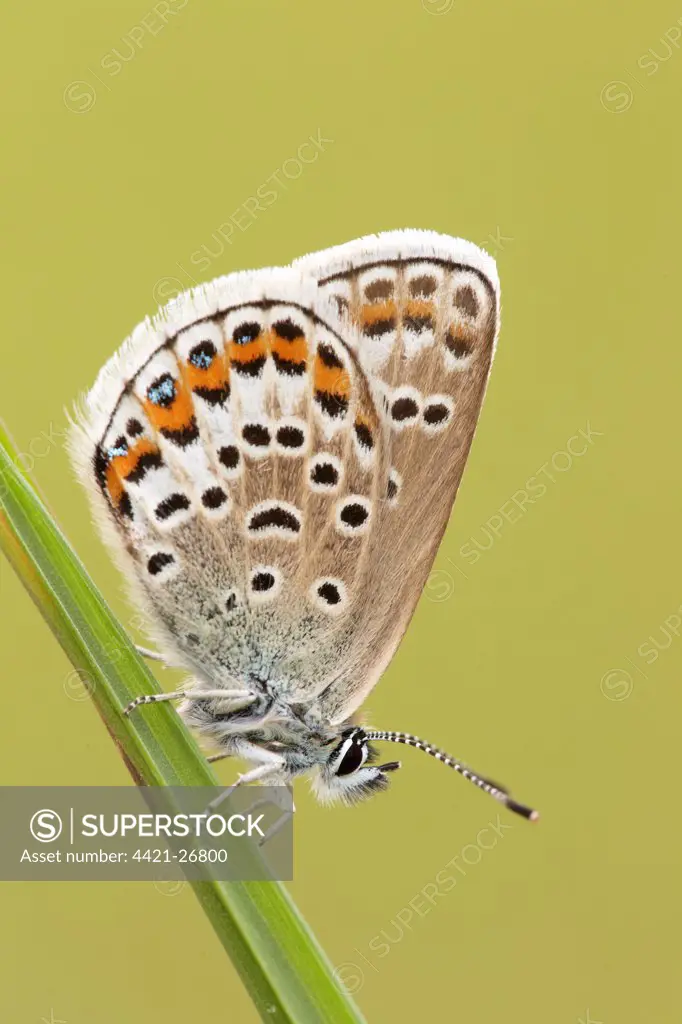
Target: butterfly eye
351,755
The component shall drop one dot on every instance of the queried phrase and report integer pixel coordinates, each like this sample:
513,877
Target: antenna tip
525,812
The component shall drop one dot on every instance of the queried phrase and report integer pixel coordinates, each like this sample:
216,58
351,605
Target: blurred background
546,649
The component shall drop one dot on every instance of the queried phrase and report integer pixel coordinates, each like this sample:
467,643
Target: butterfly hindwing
422,312
236,457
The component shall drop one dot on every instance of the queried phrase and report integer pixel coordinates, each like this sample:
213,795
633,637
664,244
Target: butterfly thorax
267,722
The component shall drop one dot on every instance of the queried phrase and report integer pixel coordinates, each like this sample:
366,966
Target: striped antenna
488,787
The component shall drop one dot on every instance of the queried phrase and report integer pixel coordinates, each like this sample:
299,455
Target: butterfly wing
274,459
237,465
421,313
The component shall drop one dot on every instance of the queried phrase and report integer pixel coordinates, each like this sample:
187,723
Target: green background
550,135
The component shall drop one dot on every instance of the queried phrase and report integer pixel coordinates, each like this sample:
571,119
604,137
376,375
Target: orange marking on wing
114,484
215,376
295,351
256,349
460,340
121,466
125,464
179,414
333,379
419,308
378,311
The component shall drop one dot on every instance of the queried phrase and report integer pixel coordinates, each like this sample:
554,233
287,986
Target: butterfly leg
156,698
278,799
219,757
256,753
264,758
260,772
254,774
283,798
245,724
278,826
270,764
146,652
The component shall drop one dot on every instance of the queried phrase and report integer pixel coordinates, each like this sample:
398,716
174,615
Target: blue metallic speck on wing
164,391
201,359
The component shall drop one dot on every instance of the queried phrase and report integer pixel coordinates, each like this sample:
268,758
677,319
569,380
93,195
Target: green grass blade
284,969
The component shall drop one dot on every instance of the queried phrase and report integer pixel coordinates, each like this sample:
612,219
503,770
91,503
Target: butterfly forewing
423,314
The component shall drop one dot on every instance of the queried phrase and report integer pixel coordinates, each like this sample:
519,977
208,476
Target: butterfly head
349,773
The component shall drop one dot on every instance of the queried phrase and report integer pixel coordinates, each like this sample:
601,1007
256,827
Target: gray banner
127,833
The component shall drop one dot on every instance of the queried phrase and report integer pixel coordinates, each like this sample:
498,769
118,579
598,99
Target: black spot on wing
182,436
245,333
125,506
354,515
334,405
213,498
146,461
262,582
436,413
203,354
381,289
324,474
256,434
229,456
423,286
252,368
278,517
99,465
404,408
378,328
466,301
288,366
158,561
287,330
173,503
364,436
459,346
329,593
419,324
329,357
290,437
214,396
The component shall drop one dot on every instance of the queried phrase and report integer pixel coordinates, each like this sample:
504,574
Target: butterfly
274,458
